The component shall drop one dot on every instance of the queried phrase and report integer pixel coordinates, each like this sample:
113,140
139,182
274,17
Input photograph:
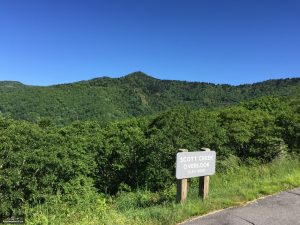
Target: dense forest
106,99
76,161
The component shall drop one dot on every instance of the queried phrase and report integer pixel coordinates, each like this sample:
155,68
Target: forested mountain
136,94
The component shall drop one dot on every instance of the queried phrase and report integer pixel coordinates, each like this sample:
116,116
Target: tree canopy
41,160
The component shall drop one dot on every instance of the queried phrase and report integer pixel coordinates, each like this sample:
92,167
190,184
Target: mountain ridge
140,75
136,94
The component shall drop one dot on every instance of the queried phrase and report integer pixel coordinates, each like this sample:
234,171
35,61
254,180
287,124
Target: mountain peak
137,75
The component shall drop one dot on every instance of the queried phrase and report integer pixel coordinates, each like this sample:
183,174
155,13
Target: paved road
279,209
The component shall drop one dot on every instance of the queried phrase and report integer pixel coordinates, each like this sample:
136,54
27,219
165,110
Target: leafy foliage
39,161
63,144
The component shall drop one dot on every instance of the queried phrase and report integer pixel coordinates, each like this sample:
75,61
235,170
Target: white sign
195,164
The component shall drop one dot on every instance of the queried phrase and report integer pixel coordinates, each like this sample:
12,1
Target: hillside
136,94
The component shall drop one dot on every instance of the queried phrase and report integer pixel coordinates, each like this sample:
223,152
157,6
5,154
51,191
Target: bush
38,162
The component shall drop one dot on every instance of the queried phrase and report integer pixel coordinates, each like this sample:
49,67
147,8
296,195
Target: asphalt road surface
279,209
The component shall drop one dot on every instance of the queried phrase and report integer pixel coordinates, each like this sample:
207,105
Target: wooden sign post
181,191
182,186
194,164
204,183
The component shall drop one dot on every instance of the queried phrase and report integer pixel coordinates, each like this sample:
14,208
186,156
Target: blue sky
58,41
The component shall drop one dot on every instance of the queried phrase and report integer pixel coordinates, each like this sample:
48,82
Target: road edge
235,206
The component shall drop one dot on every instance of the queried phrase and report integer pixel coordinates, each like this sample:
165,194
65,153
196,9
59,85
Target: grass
229,187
